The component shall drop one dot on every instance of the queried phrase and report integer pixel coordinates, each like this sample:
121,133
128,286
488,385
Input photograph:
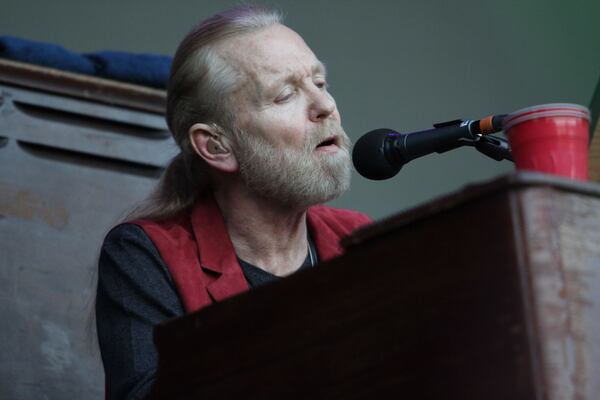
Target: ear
214,148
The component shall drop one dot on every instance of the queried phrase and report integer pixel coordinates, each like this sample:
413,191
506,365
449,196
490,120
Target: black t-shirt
256,276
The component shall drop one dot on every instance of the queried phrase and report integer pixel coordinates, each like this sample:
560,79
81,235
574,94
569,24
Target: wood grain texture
561,236
82,86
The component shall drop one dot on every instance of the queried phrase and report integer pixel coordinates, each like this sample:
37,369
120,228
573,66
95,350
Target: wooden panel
561,236
82,86
68,172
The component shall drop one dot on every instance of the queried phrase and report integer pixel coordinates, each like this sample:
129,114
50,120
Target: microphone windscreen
370,155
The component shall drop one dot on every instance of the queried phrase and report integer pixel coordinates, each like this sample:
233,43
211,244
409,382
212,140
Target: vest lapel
326,239
217,255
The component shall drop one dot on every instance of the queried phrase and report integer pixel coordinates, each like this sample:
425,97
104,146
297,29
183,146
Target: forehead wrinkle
248,77
259,76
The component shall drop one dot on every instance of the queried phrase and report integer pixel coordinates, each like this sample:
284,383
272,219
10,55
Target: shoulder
349,219
169,231
130,265
125,234
128,251
125,248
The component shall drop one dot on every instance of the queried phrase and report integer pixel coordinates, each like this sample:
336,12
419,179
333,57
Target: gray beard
295,178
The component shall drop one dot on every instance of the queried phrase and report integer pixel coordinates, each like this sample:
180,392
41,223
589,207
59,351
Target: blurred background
400,65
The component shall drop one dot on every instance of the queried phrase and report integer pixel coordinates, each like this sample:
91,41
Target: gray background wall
403,65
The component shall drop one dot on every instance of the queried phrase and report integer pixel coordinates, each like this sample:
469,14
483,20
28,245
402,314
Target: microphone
381,153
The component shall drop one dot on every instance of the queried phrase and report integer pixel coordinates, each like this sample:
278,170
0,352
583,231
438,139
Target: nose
322,106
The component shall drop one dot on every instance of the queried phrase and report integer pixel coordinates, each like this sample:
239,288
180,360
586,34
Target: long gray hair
198,91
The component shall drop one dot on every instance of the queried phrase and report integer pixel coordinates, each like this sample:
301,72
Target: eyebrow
319,67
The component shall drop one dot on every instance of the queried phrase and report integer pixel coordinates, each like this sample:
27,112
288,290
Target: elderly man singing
262,147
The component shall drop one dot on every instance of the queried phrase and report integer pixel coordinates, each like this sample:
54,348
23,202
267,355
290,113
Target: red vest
202,261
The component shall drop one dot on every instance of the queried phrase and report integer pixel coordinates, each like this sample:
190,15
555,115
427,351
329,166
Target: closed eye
284,97
321,84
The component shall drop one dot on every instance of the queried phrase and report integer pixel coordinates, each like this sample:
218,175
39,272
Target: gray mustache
321,134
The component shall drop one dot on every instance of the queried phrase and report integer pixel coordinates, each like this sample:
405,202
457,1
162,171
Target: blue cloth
142,69
45,54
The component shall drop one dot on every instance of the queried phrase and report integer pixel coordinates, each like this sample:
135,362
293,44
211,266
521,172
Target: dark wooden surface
486,294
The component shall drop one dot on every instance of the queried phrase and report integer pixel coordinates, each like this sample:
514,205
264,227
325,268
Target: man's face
291,146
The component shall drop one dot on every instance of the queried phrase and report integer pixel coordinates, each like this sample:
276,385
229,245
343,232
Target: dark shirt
256,276
135,293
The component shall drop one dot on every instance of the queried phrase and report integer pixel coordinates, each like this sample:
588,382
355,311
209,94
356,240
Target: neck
269,236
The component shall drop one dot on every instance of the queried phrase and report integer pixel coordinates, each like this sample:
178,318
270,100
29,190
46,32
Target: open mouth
330,141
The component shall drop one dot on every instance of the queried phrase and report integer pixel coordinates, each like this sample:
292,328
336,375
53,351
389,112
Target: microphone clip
491,146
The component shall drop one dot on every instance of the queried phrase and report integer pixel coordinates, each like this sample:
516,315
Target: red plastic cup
550,138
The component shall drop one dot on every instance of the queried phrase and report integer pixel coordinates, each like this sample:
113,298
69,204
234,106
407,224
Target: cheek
289,134
284,127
